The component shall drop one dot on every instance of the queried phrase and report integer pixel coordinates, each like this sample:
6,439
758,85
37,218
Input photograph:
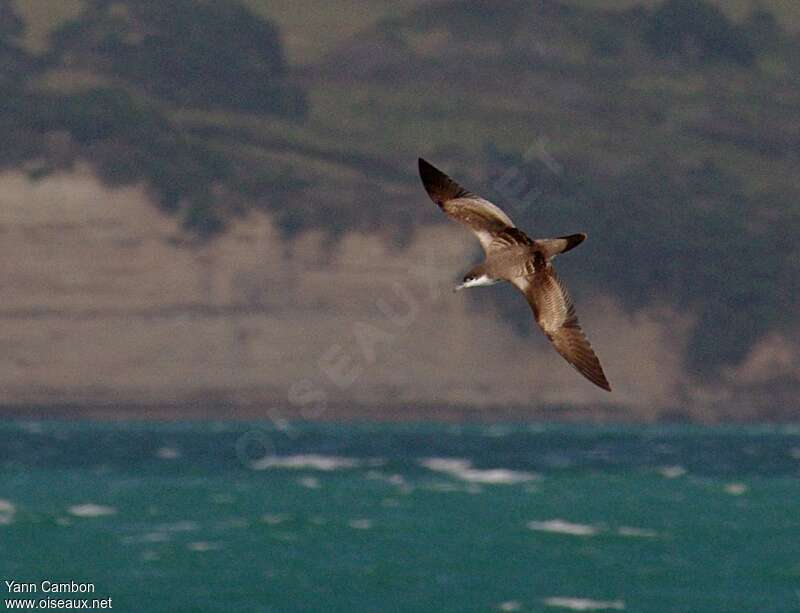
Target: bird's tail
554,246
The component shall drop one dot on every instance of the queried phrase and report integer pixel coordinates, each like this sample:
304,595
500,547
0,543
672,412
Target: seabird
524,262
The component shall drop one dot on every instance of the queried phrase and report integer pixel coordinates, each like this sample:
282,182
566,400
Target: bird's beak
459,287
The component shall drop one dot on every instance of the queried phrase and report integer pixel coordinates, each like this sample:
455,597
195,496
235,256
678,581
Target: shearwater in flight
524,262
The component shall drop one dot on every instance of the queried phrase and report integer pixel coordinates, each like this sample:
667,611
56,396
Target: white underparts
478,282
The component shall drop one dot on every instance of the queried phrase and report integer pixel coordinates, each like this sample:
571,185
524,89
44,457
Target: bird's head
475,280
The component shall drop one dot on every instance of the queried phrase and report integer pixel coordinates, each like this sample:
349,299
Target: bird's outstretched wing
555,314
485,219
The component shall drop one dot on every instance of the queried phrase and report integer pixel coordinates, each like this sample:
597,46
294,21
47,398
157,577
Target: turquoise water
246,517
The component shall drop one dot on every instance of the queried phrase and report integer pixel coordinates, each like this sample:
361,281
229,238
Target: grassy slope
43,17
787,11
312,28
379,117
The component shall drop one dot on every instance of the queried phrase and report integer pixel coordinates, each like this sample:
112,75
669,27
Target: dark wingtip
430,175
439,186
598,377
600,380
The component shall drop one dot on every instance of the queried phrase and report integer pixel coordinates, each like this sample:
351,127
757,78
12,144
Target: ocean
373,517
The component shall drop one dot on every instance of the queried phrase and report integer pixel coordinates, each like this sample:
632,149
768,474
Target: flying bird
524,262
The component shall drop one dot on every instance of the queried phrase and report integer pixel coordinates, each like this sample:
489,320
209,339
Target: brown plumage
525,263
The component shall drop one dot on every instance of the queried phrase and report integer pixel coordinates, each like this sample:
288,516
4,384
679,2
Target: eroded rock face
100,305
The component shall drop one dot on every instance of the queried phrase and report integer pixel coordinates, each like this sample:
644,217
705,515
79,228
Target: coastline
222,409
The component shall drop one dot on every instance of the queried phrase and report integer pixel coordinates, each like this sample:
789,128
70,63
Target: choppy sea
232,516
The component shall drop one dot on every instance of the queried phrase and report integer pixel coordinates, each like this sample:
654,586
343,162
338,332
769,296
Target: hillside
676,152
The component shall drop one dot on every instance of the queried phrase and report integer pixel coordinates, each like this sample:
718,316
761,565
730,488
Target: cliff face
100,304
101,307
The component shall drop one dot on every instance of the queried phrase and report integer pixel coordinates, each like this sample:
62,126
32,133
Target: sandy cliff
102,306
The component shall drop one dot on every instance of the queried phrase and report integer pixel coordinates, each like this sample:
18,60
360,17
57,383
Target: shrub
190,52
696,28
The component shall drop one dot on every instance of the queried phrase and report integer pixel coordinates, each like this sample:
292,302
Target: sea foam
462,469
201,546
672,472
91,510
311,483
735,489
583,604
305,461
7,511
168,453
561,526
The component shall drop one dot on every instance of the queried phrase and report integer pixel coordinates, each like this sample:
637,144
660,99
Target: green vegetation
688,27
147,60
187,52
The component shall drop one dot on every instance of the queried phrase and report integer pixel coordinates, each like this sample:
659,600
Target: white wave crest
203,546
91,510
583,604
311,483
168,453
672,472
462,469
561,526
7,511
305,461
736,489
